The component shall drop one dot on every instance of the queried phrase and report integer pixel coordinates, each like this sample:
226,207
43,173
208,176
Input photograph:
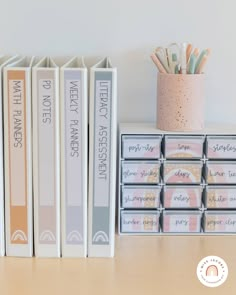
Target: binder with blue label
102,159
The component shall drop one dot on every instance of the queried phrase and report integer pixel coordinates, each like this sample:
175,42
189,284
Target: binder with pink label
18,158
46,161
74,145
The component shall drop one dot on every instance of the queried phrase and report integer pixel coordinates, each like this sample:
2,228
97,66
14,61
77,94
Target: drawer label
140,223
182,197
182,173
220,223
141,147
181,223
141,197
140,172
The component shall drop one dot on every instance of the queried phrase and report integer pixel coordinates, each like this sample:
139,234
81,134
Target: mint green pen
174,64
192,63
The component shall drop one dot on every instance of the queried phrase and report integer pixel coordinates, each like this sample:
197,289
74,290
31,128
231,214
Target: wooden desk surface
142,265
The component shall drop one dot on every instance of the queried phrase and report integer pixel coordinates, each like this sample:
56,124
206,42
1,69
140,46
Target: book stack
46,157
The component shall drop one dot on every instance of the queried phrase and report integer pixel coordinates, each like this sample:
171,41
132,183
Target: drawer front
140,222
182,197
140,197
216,222
221,147
182,172
141,147
184,147
220,197
177,222
221,173
140,172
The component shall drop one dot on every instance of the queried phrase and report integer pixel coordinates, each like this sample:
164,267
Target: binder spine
46,163
74,162
2,211
102,162
18,162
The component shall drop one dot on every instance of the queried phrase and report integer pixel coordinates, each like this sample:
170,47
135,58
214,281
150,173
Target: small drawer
181,222
183,147
140,172
141,146
220,222
221,172
221,147
182,196
140,196
188,172
140,221
220,197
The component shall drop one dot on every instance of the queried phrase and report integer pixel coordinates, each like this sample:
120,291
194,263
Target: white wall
128,31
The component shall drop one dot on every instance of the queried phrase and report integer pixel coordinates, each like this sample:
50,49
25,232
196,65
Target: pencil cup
180,102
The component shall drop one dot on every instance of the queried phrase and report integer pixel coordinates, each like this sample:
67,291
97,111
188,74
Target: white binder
102,159
74,157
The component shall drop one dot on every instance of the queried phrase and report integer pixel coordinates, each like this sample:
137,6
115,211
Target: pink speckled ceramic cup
180,102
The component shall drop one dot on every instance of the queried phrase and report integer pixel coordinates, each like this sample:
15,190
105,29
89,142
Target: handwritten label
140,197
221,148
182,173
140,172
183,147
142,222
221,173
182,197
221,198
141,147
220,222
181,222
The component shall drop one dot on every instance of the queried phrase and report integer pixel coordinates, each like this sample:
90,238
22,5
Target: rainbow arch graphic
19,235
100,236
48,236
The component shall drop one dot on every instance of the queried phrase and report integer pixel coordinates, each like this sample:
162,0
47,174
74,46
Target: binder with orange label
18,158
4,60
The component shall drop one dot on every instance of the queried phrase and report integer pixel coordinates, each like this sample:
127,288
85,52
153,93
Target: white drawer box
141,146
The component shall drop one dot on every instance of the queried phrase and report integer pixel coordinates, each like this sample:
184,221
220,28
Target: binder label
47,165
102,156
17,157
73,157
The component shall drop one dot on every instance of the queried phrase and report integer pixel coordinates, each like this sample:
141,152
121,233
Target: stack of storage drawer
140,188
220,193
176,183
